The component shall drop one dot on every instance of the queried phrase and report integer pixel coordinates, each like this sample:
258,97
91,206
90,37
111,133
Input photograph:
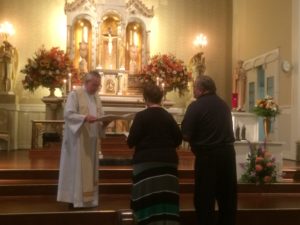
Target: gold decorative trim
72,6
141,7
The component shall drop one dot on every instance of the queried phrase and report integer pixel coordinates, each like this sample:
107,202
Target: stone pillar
147,53
69,40
9,103
54,110
295,109
120,84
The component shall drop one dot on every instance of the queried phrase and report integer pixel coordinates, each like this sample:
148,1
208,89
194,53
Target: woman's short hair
91,74
205,83
152,93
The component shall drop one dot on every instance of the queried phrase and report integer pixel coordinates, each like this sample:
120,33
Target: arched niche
134,46
109,41
83,44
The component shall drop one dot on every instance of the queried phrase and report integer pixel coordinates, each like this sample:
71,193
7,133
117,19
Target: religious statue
8,67
197,64
122,46
83,52
239,85
109,36
110,86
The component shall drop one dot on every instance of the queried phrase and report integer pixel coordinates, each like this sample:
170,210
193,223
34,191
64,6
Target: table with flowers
252,164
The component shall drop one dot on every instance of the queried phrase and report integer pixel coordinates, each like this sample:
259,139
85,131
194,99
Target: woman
155,135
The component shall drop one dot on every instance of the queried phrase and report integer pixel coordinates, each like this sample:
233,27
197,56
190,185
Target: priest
78,174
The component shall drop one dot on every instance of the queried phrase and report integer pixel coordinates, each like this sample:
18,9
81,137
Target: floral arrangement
266,107
260,167
168,71
48,68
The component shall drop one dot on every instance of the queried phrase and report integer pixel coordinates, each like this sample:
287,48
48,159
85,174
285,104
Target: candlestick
234,100
70,82
135,39
163,90
85,34
157,81
130,37
65,87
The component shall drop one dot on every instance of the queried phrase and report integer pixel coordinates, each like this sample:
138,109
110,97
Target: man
78,175
207,126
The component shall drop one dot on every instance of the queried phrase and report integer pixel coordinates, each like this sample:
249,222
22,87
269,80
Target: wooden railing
40,127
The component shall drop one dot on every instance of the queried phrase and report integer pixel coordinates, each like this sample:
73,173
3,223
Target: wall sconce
6,29
200,41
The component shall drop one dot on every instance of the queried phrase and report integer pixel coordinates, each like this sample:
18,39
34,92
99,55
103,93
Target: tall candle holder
69,82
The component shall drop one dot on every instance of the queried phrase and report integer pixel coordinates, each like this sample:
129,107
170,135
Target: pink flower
267,179
269,164
258,168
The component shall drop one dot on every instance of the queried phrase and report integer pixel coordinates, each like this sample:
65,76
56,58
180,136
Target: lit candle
65,87
85,34
130,37
157,81
163,86
70,82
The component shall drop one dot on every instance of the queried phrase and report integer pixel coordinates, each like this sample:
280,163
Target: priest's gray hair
205,83
91,74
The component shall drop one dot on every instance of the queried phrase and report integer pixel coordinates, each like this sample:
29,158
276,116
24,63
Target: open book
126,134
112,117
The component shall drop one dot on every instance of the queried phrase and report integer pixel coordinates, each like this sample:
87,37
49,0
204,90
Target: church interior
250,48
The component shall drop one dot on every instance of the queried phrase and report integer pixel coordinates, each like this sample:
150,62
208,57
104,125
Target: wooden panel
188,217
64,218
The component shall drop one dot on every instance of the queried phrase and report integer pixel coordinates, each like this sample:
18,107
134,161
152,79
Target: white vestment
78,173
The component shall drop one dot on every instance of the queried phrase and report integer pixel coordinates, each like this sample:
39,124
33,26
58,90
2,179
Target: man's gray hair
205,83
91,74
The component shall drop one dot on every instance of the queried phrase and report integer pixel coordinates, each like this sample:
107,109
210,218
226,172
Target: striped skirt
155,198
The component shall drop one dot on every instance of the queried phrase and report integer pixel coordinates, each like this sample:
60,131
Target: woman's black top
155,135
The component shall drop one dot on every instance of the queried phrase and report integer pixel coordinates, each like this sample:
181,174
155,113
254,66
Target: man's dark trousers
215,180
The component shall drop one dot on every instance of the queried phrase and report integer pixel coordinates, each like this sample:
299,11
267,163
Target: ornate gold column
147,53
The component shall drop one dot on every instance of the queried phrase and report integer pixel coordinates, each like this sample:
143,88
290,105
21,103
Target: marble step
125,188
188,217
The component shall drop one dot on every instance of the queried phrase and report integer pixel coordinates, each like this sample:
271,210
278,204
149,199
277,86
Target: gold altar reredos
111,36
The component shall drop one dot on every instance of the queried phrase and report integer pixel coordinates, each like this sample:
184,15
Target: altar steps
188,217
111,175
254,209
125,188
106,175
34,200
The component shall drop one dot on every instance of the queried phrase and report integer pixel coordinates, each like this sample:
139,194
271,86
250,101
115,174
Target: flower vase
52,90
267,127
